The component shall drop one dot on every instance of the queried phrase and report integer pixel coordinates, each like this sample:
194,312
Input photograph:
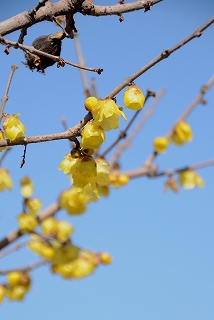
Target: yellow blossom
118,180
64,229
89,103
27,223
160,144
2,138
102,178
105,258
2,293
87,167
16,292
65,253
26,187
69,164
5,180
72,201
33,205
134,98
106,114
92,136
189,179
13,127
41,248
182,133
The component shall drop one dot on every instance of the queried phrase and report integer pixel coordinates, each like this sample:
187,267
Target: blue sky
161,243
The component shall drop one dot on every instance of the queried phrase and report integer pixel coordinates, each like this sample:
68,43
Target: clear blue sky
162,244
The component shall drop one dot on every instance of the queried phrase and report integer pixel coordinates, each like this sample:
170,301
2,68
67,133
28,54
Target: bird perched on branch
50,44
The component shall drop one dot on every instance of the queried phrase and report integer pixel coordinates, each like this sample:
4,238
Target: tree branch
164,54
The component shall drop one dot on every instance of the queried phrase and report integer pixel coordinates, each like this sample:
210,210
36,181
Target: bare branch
31,49
164,54
70,134
65,7
5,98
27,268
14,235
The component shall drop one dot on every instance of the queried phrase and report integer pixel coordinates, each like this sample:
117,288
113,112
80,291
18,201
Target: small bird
50,44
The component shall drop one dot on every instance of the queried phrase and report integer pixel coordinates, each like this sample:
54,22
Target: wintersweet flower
105,258
134,98
27,223
2,138
2,293
13,127
182,133
92,136
65,253
16,292
160,144
106,114
69,164
72,201
39,247
5,180
26,187
189,179
33,205
118,180
87,167
102,178
89,103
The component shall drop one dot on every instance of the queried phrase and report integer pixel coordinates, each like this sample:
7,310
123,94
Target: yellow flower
2,138
134,98
16,292
102,178
49,225
106,114
118,180
2,293
39,247
26,187
69,164
72,201
89,103
13,127
33,205
64,229
92,136
160,144
105,258
5,180
182,133
189,179
64,254
27,223
87,167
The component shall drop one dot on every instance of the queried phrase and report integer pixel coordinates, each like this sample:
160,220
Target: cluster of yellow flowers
91,177
182,133
18,284
27,220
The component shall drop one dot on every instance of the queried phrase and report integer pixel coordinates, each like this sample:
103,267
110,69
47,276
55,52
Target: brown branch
14,235
190,167
27,268
31,49
5,97
198,99
65,7
5,154
70,134
164,54
12,249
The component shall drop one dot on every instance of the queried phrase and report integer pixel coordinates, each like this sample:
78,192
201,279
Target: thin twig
13,248
31,49
27,268
164,54
5,154
14,235
190,167
70,134
5,97
81,62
